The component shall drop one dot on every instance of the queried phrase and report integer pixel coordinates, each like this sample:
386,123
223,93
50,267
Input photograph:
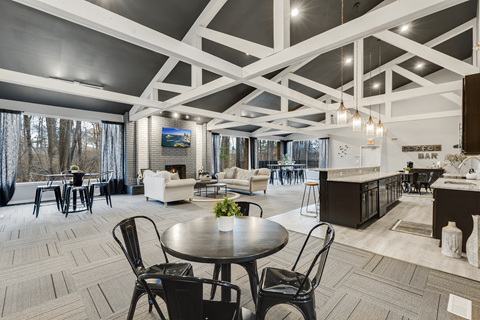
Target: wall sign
427,156
436,147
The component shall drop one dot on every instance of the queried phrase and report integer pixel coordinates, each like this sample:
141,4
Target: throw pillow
243,174
164,174
230,173
174,176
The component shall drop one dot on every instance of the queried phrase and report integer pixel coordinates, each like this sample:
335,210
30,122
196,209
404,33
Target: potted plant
74,169
407,170
139,178
226,211
455,160
285,158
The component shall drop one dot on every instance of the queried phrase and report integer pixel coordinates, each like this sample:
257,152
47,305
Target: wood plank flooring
71,268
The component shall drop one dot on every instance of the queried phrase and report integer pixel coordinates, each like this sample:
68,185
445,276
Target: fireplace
180,168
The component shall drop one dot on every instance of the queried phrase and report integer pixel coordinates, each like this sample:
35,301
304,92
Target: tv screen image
176,138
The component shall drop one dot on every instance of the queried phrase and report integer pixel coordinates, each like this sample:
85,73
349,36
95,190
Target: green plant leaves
226,208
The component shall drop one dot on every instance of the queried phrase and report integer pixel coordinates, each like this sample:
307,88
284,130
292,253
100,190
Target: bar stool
272,176
72,188
311,187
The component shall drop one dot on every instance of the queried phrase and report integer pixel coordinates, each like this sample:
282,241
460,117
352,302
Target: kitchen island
352,196
455,200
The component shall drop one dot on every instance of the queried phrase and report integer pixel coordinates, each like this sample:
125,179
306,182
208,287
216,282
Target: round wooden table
199,240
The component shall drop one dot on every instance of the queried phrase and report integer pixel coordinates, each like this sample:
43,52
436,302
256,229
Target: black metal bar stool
311,187
71,189
45,188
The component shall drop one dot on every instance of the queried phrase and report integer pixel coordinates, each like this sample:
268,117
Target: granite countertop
337,169
362,178
457,184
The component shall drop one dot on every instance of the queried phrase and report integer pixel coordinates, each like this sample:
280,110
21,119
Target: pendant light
370,125
380,131
357,123
342,115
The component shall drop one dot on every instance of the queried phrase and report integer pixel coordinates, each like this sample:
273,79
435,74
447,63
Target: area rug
419,229
210,197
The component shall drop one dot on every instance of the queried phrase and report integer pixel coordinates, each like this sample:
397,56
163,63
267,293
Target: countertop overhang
362,178
457,184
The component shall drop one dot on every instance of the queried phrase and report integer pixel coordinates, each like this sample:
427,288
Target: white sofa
161,186
246,180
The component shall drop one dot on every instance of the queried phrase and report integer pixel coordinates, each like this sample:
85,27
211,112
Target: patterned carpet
57,268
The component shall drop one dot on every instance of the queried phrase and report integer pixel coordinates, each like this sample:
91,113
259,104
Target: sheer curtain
215,153
112,156
10,123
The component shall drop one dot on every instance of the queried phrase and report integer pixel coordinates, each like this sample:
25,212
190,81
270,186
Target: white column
328,115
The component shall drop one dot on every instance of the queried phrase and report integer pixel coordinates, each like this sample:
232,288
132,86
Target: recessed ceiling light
175,115
198,118
419,65
187,116
247,54
348,60
294,12
404,28
376,85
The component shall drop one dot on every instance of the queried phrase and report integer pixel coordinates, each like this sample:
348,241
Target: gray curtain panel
253,153
324,152
112,157
215,153
10,123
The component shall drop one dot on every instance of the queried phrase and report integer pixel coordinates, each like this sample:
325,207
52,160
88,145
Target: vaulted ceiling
40,44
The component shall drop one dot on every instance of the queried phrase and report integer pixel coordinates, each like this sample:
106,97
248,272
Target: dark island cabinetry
350,203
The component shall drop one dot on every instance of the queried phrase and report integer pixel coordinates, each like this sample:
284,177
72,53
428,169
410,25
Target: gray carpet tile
71,268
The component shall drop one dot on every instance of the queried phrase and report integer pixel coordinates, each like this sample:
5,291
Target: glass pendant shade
370,127
380,130
356,122
342,115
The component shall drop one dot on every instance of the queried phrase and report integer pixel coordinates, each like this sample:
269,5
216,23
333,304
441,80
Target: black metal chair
132,252
103,183
72,187
426,184
279,286
184,298
414,183
45,188
250,266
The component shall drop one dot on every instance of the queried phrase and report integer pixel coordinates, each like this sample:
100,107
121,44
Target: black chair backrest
245,208
430,176
321,256
132,247
184,295
415,177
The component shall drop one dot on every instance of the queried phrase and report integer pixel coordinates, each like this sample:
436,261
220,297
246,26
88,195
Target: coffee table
216,186
202,183
199,240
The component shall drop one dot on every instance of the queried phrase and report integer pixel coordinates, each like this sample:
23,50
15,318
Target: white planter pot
225,224
452,240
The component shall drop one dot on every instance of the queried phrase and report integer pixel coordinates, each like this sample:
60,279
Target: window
268,152
233,152
312,153
49,145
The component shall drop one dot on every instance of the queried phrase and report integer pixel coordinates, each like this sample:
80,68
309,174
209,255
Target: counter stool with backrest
41,188
77,185
128,227
273,174
311,187
279,286
250,266
425,182
103,183
414,183
288,175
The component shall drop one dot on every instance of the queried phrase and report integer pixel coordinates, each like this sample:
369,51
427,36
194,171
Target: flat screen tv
176,138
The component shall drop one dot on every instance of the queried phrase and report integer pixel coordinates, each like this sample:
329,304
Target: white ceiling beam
425,83
384,18
99,19
194,94
171,87
309,122
319,87
207,15
282,91
43,110
255,109
252,48
196,72
281,25
64,87
434,56
388,90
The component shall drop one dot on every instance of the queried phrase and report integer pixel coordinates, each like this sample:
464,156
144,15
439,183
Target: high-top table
199,240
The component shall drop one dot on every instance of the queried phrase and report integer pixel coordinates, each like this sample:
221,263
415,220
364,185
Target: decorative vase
138,181
225,224
473,243
452,240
